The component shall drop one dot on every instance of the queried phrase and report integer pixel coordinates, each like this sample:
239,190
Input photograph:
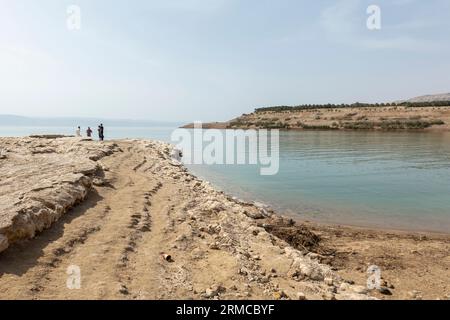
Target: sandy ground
412,265
144,210
113,238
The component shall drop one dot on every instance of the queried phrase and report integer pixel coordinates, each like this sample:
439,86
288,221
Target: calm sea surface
394,180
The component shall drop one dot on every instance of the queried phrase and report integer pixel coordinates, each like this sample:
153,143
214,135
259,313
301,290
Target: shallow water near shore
393,180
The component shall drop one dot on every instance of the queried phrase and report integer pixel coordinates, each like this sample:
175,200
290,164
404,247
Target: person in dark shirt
89,132
101,132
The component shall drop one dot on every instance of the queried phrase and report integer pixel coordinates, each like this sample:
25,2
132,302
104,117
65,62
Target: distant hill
13,120
425,112
429,98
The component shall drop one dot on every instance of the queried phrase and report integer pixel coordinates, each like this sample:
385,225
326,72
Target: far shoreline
349,118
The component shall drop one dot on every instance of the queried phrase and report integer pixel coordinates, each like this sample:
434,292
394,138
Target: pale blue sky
185,60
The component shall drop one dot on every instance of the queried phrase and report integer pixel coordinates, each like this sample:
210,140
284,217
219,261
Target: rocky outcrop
40,180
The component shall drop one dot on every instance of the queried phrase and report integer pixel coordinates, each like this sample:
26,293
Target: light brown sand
413,265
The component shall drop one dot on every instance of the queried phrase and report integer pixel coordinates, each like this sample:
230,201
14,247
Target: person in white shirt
176,155
78,132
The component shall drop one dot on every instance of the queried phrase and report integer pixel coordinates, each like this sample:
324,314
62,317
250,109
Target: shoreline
369,227
288,213
351,261
387,240
226,248
223,126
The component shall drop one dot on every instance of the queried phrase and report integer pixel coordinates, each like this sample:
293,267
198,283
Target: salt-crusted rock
301,296
41,180
3,243
212,206
329,296
360,289
254,214
306,267
344,286
415,295
328,281
214,291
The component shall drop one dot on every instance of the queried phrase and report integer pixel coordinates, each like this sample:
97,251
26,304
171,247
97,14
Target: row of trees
354,105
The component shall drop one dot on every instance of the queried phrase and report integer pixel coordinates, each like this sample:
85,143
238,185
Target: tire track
140,223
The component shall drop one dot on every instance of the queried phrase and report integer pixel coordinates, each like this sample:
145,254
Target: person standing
101,132
78,132
89,132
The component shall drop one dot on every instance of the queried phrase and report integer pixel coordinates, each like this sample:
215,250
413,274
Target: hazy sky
186,60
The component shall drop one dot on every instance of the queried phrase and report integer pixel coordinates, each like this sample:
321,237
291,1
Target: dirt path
101,236
117,238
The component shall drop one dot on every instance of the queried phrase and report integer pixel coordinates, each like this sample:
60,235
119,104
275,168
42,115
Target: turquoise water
393,180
